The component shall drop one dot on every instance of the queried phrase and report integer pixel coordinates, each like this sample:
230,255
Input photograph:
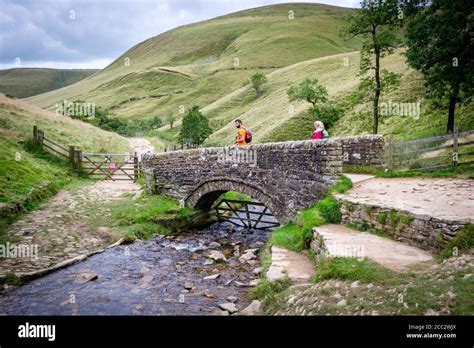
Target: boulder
229,307
216,256
254,308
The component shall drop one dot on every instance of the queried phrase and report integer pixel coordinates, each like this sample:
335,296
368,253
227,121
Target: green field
26,82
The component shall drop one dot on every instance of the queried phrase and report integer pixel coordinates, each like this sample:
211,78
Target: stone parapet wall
363,150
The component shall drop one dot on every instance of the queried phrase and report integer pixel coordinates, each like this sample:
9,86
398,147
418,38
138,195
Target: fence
431,153
97,165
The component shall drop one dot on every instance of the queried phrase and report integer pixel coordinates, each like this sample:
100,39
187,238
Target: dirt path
444,198
140,146
61,228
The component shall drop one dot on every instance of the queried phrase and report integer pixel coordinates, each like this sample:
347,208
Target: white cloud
43,33
89,64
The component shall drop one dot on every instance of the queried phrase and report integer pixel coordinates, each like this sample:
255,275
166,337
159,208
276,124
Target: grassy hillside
18,117
26,82
202,62
273,118
28,175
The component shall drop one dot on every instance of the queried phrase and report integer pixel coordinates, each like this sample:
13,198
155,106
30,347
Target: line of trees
439,41
439,37
102,119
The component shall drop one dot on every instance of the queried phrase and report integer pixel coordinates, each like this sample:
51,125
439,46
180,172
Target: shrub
329,208
257,80
328,114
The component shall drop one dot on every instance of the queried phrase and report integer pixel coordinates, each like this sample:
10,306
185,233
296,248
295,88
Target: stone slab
287,263
343,241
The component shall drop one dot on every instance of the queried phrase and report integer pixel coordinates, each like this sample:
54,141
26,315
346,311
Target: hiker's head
238,123
318,124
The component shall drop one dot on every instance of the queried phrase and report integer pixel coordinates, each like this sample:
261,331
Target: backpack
325,134
248,136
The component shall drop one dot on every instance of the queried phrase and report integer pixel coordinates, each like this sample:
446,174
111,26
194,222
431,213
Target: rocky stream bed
200,272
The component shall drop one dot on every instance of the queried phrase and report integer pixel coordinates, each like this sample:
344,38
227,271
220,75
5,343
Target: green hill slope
27,175
18,117
273,118
201,62
26,82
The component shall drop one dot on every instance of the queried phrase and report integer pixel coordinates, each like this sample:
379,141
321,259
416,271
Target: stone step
338,240
287,263
426,212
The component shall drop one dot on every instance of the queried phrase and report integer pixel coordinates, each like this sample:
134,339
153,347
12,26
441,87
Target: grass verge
271,294
350,268
296,235
149,215
28,176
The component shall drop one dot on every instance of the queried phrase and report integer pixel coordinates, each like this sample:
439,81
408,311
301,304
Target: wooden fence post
455,146
35,133
71,156
40,134
135,166
78,160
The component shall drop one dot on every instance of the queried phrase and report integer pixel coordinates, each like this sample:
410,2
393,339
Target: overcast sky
92,33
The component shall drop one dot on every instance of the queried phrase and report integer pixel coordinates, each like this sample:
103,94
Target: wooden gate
110,166
245,214
103,166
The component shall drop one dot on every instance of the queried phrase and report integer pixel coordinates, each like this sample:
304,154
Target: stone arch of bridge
206,193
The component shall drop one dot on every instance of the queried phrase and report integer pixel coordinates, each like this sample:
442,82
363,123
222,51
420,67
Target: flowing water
162,276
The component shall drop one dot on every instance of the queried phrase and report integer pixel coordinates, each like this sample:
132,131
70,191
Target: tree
376,23
170,118
310,91
257,80
195,127
440,45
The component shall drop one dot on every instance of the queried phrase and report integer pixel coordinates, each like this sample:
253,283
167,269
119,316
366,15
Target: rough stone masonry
284,176
364,150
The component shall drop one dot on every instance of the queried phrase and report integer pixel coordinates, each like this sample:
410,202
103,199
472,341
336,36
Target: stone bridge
284,176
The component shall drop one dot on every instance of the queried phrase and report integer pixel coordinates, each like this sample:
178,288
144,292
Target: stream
161,276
